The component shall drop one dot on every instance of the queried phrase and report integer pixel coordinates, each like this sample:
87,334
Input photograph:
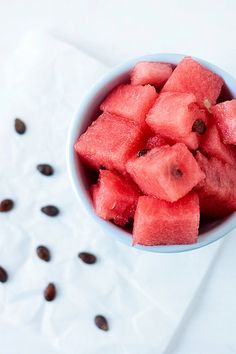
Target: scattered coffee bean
199,127
20,126
50,292
6,205
87,258
176,172
142,152
101,322
45,169
43,253
3,275
50,210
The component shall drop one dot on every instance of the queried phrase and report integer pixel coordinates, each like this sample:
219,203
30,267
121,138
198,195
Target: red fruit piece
109,141
225,116
153,73
157,222
132,102
157,141
115,197
192,77
167,172
217,192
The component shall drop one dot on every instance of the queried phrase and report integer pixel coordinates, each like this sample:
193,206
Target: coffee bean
45,169
20,126
199,127
142,152
87,258
6,205
101,322
176,172
50,210
43,253
3,275
50,292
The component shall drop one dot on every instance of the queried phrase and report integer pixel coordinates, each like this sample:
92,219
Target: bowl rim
75,128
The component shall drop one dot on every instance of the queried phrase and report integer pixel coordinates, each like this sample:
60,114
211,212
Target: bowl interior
82,178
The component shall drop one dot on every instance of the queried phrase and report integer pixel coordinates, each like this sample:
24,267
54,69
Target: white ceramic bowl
85,115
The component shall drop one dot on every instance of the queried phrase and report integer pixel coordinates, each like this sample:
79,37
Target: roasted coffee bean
3,275
199,127
50,210
43,253
45,169
50,292
6,205
101,322
142,152
87,258
176,172
20,126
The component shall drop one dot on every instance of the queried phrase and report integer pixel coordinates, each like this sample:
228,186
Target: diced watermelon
157,222
132,102
211,145
166,172
115,197
173,115
109,142
190,76
157,141
217,192
225,116
153,73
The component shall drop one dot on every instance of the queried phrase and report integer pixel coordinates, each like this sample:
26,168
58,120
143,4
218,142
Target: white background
112,31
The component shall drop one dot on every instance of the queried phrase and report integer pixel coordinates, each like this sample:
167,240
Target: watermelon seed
6,205
87,257
50,210
176,172
20,126
142,152
199,127
45,169
3,275
50,292
43,253
101,322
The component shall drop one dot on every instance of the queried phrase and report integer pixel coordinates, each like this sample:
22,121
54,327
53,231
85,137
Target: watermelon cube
153,73
109,142
211,145
115,197
225,116
174,114
167,172
132,102
157,222
158,140
217,192
192,77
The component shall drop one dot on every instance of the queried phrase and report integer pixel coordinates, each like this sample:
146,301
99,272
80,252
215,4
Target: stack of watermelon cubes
163,148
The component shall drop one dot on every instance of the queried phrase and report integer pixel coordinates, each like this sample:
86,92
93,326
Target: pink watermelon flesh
190,76
211,145
217,192
152,73
109,142
132,102
157,141
225,116
115,197
166,172
157,222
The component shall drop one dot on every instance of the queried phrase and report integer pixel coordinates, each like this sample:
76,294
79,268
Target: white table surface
113,31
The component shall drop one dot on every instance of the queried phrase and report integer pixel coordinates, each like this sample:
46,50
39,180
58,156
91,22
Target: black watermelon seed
45,169
199,127
176,172
50,292
43,253
50,210
101,322
6,205
87,257
3,275
142,152
20,126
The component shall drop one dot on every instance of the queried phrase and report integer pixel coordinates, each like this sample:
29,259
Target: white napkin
144,296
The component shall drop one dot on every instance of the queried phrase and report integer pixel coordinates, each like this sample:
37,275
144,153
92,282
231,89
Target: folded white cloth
145,296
